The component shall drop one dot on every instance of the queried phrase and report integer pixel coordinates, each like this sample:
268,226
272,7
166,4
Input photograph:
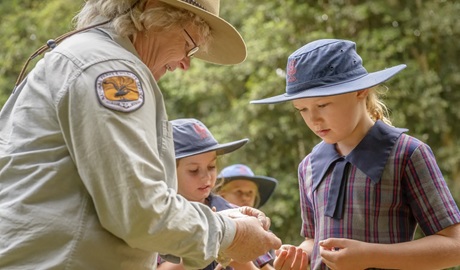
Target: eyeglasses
195,49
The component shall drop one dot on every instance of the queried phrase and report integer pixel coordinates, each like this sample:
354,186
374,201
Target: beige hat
226,47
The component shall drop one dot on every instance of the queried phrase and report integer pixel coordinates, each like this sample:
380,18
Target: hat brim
221,149
364,82
265,184
226,46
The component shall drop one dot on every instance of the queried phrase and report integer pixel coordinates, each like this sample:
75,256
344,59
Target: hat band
331,80
193,2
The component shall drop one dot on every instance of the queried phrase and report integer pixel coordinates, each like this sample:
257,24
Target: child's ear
362,93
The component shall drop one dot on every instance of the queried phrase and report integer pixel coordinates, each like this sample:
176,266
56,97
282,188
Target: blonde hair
128,18
221,187
375,107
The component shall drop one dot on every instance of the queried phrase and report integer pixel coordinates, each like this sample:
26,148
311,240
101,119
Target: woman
87,169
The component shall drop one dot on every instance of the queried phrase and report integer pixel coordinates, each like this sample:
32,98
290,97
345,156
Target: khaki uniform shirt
87,167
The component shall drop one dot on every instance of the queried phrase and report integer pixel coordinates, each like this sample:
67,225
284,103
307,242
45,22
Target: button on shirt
392,183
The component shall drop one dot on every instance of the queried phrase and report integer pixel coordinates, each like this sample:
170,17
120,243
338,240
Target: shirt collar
122,41
369,156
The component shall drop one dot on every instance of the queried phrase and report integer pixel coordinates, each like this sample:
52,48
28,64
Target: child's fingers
285,247
331,244
290,258
280,259
301,260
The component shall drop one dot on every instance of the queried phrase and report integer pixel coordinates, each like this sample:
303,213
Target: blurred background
424,97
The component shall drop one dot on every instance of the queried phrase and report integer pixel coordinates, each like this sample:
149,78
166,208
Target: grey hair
127,17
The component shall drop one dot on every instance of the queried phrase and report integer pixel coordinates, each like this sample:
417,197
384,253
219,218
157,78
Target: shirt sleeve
124,161
264,259
428,194
305,189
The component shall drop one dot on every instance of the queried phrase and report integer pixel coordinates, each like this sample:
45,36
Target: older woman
87,168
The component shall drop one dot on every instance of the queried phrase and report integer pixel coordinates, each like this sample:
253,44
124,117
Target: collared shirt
84,186
393,184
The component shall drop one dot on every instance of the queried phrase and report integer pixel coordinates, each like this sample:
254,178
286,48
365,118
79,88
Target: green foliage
422,35
424,97
25,26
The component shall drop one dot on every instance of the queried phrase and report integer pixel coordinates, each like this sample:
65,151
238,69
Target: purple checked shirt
392,184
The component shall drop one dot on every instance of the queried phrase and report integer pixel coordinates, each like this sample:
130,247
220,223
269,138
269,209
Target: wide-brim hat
327,67
192,137
226,46
266,185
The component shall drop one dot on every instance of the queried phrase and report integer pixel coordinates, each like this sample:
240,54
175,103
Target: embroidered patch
291,71
120,91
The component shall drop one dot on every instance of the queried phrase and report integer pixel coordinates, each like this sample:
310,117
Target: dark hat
191,137
327,67
265,184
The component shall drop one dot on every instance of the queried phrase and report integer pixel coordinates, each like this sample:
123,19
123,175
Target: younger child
196,152
367,185
242,187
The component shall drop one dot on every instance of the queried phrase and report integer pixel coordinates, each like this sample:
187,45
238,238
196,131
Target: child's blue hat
327,67
265,184
191,137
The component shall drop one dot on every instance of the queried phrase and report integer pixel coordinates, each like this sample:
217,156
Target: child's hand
290,257
341,253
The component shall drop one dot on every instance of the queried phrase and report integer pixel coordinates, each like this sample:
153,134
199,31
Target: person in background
241,187
367,185
87,167
197,152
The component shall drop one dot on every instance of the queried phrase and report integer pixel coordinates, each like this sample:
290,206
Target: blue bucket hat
192,137
327,67
265,184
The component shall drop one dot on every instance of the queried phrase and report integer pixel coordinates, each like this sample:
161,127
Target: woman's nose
185,63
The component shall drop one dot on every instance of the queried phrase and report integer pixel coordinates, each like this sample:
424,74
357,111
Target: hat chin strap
52,43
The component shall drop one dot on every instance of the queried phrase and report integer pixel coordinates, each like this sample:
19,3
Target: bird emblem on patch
120,91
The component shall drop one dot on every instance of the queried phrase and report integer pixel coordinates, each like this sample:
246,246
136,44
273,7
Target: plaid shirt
393,184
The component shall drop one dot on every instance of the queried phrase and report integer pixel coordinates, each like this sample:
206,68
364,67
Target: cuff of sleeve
227,238
229,232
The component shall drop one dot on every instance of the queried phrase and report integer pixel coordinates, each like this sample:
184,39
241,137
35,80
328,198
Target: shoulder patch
120,91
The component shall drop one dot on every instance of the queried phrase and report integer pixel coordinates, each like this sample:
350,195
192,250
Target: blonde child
367,185
240,186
